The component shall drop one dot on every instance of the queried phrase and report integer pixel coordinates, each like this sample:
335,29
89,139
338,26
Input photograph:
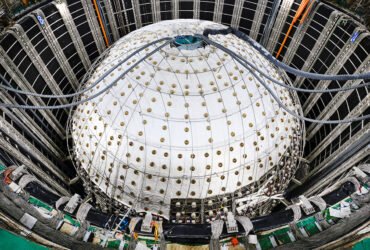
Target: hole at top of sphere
188,42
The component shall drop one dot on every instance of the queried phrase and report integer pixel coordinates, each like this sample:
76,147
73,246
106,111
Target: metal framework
71,33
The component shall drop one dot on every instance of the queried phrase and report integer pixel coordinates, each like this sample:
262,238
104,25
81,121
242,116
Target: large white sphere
182,124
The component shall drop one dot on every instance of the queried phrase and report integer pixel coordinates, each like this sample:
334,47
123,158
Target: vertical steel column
277,29
111,19
196,9
94,25
136,8
342,168
338,99
358,110
29,124
333,69
55,48
7,147
156,8
217,15
18,77
175,9
124,11
31,149
299,34
270,22
73,32
256,25
321,41
119,14
237,12
18,32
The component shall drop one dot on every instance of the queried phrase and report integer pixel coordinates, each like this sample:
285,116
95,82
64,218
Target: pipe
299,12
245,63
72,104
282,65
101,23
19,91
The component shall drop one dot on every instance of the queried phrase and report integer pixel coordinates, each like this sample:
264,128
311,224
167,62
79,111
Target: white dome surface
183,123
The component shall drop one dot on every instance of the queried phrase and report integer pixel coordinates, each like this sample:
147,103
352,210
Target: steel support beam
156,10
334,69
196,9
358,110
120,14
299,34
18,77
56,49
344,163
270,22
175,9
31,149
111,19
217,15
337,100
237,12
257,20
365,131
18,32
124,11
137,14
94,25
277,30
26,122
73,32
320,44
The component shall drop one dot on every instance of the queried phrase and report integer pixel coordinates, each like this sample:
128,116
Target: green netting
72,221
92,229
309,224
282,235
326,212
38,203
10,241
113,244
264,241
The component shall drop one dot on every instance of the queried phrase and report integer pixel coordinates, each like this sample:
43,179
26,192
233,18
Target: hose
277,99
282,65
86,89
72,104
282,84
242,36
207,32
